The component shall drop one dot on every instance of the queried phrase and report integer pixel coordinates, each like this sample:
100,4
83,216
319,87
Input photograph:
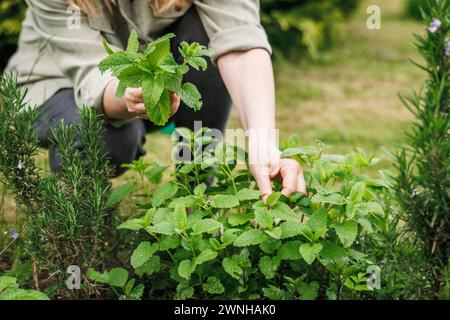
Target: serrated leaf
275,233
132,224
264,218
237,219
170,242
347,232
290,250
206,225
333,252
205,255
318,221
152,265
162,194
190,95
269,266
152,90
213,286
142,253
250,237
273,199
200,189
160,113
229,236
224,201
232,268
186,268
180,217
116,62
290,229
119,194
107,46
357,192
308,291
310,251
133,42
118,277
248,194
165,227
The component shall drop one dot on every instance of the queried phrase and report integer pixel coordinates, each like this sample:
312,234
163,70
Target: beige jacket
60,48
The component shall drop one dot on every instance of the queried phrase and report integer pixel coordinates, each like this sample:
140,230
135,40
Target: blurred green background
337,81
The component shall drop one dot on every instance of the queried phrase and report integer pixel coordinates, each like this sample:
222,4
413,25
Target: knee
124,145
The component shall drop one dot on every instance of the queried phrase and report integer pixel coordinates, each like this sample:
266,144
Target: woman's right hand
135,103
132,104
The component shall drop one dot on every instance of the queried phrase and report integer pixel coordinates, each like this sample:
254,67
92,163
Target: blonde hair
161,6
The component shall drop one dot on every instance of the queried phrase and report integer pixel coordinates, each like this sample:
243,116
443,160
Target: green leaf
142,253
213,286
264,218
229,236
152,90
98,276
22,294
186,268
269,266
273,199
310,251
250,237
170,242
347,232
118,277
205,255
290,229
232,268
7,282
190,95
107,47
308,291
119,194
357,192
184,291
164,193
200,189
290,250
152,265
237,219
160,114
333,252
206,225
116,62
180,217
132,224
275,233
248,194
318,221
133,42
165,227
224,201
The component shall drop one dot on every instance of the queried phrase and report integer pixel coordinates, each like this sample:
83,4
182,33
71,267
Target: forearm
249,79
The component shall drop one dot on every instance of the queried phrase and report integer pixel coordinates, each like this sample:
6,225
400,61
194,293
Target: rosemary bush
423,182
65,211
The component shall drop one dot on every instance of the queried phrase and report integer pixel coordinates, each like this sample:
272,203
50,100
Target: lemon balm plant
157,73
222,241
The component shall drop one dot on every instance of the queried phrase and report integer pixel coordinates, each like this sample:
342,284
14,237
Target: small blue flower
14,235
20,165
415,193
435,25
11,233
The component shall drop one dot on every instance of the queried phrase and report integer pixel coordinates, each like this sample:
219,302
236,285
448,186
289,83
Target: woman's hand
135,103
132,104
266,165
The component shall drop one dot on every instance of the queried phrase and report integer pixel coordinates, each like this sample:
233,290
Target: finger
262,177
289,172
301,184
137,93
174,103
140,109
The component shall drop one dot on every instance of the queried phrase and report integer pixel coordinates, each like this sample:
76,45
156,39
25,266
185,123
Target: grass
347,98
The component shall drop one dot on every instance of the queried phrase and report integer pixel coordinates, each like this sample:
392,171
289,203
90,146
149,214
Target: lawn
347,98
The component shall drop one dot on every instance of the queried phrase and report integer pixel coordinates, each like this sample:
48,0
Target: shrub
65,211
423,182
222,241
414,7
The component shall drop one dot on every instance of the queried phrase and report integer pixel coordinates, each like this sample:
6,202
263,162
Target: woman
61,45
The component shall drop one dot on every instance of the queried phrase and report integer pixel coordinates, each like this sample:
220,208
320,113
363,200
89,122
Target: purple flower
11,233
435,25
14,235
447,47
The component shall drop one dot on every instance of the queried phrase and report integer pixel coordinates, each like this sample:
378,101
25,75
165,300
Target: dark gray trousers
125,144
